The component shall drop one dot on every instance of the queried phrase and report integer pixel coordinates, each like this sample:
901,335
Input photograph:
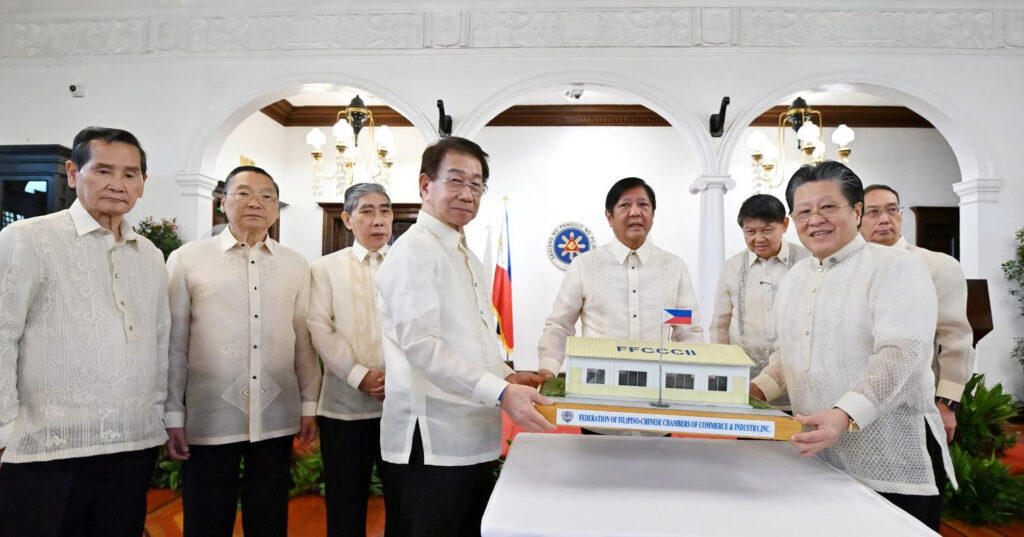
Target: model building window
595,376
679,381
718,383
632,378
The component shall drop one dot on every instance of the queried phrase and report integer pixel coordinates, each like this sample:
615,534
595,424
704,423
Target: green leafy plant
307,468
163,234
376,485
983,412
1013,271
307,472
988,494
167,474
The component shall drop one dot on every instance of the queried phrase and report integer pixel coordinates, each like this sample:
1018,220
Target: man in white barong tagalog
83,354
244,378
345,327
620,289
855,328
883,224
745,298
447,381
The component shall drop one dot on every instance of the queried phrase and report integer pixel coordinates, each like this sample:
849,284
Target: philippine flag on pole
501,294
671,316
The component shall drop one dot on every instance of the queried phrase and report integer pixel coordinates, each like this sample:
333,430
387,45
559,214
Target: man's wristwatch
953,405
850,425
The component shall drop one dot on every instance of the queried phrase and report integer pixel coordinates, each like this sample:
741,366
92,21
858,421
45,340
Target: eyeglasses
245,196
875,212
456,184
825,211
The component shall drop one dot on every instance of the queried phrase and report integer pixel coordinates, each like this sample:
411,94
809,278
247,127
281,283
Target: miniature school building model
691,373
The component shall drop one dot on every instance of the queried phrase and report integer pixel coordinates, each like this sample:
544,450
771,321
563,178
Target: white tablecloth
575,485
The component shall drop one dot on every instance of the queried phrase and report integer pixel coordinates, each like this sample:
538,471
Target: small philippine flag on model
670,316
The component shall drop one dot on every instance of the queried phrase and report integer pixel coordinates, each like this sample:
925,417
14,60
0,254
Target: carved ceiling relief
716,26
448,29
635,28
670,28
74,38
931,29
307,32
1013,28
167,34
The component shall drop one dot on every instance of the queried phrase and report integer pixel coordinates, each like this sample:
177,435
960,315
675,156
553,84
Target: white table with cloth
575,485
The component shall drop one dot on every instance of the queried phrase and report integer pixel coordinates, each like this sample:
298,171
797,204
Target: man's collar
783,254
844,253
228,241
85,223
360,251
447,235
621,251
902,243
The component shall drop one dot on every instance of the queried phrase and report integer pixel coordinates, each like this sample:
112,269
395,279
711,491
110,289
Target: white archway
955,122
237,104
969,145
682,121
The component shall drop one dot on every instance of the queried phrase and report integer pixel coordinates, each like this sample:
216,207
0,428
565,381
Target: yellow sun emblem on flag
572,245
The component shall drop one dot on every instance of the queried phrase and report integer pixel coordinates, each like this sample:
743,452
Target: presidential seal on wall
568,240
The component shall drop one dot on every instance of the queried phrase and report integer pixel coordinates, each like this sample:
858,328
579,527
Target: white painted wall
183,78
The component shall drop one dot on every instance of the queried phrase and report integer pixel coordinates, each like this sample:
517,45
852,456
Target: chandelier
769,160
377,153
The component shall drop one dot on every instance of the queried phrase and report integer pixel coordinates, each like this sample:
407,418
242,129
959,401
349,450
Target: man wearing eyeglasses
883,224
244,378
440,431
620,289
855,327
745,297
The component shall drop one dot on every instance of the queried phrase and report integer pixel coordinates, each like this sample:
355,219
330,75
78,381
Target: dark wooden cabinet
938,229
979,309
337,236
33,181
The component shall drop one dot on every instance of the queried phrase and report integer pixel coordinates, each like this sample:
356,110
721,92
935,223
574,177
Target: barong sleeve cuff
950,390
551,365
858,407
356,376
174,420
309,408
489,388
771,390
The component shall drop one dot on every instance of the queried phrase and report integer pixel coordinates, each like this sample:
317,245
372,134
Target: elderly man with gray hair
345,327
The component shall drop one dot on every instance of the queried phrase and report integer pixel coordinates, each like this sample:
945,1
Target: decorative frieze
74,37
307,32
583,28
867,28
716,26
184,33
1013,28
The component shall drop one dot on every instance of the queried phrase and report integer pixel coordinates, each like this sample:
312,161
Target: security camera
574,93
76,90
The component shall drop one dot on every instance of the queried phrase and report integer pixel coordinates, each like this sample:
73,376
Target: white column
196,192
711,256
979,223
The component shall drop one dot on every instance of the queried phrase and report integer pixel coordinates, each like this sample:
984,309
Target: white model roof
648,351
